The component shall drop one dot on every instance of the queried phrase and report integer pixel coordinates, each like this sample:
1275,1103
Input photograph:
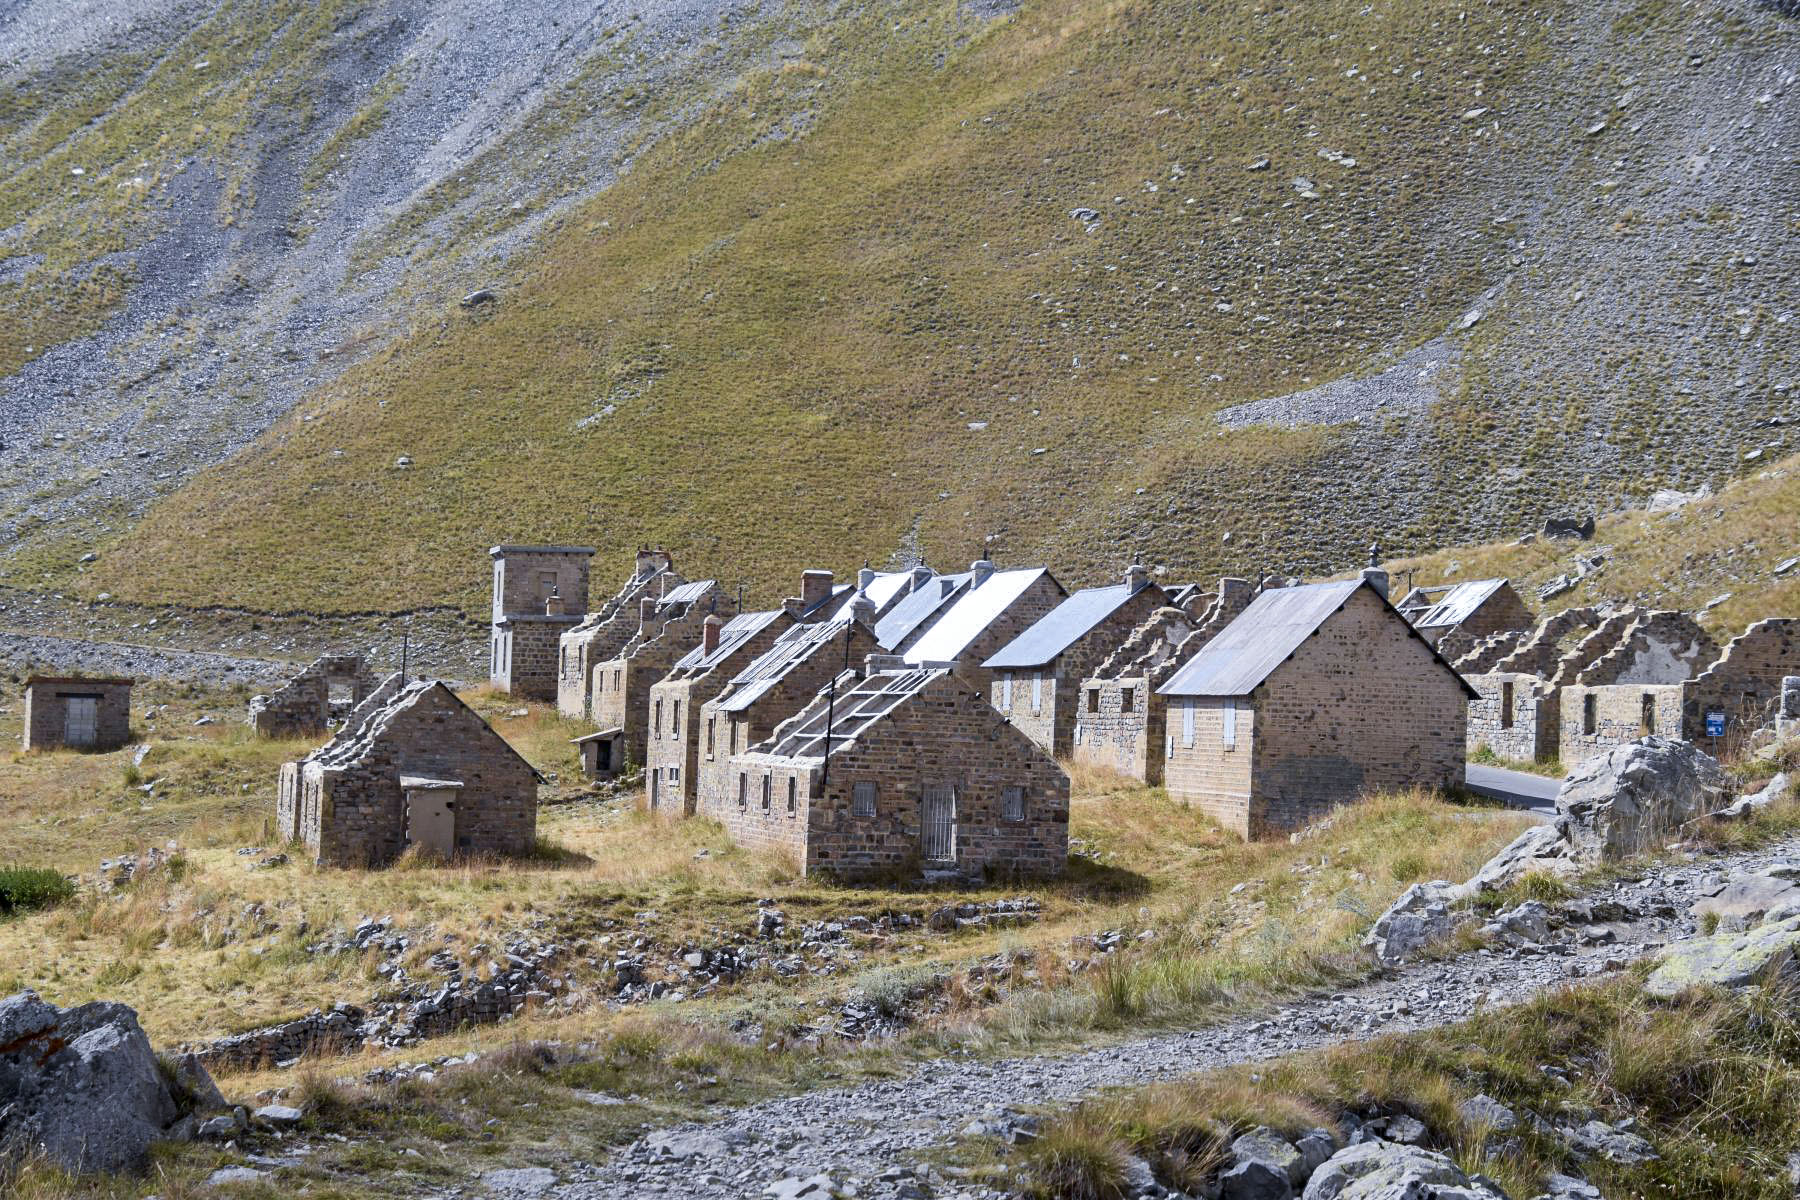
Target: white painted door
81,725
431,819
937,823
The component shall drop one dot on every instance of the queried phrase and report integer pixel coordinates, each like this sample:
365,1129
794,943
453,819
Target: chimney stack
1377,578
864,578
862,610
709,633
980,571
921,575
646,613
1136,576
815,588
554,606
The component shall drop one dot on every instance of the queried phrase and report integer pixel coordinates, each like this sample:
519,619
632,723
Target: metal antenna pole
405,648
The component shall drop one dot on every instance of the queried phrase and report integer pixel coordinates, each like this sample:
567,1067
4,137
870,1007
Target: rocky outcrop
1753,899
1385,1171
1764,954
1634,797
82,1087
1423,915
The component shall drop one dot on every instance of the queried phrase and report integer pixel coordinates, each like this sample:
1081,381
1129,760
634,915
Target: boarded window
1037,691
710,723
768,786
1012,804
793,796
1590,713
1187,721
1228,725
1127,700
1506,706
862,799
1005,693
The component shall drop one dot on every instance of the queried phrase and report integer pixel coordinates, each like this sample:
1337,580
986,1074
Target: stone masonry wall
46,712
1618,712
302,705
945,735
1126,739
1531,734
1744,684
1213,776
676,760
1660,647
1360,706
528,659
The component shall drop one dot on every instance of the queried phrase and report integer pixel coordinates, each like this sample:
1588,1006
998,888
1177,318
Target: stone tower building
539,592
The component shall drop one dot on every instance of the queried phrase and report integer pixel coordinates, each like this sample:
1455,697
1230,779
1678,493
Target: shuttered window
1228,725
1012,804
1037,691
1005,693
1187,721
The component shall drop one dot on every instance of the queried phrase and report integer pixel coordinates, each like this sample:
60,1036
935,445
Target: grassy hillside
847,308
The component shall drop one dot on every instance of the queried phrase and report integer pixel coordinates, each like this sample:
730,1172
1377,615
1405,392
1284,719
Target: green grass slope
847,309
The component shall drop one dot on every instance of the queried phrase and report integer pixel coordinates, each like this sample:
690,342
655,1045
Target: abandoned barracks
910,719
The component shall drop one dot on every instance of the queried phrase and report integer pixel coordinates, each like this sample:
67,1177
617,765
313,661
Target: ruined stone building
601,634
668,627
1635,688
1037,676
995,608
1519,679
780,681
1455,617
413,765
539,593
1311,697
326,690
1741,692
900,768
679,735
1123,723
76,712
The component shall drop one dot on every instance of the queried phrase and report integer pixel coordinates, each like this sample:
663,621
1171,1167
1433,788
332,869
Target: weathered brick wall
46,712
715,779
1744,684
1361,706
1531,734
676,760
1618,716
945,735
355,815
1539,652
1209,774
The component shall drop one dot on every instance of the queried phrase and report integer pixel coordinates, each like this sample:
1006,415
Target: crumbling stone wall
47,710
603,633
947,734
676,759
1541,652
1744,685
1529,730
1659,647
345,803
1484,655
621,697
1634,688
302,706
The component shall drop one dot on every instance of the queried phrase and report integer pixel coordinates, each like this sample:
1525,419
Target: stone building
1519,680
1635,688
601,634
326,690
413,765
777,683
76,712
1037,676
995,608
1456,616
1741,692
1123,724
679,735
1312,697
901,768
620,704
539,592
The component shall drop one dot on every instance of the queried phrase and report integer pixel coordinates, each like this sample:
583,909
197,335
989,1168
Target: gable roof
971,614
1437,607
857,705
732,636
795,645
1065,625
919,606
1247,651
370,723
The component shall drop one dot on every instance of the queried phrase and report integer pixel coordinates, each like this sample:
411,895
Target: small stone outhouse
77,712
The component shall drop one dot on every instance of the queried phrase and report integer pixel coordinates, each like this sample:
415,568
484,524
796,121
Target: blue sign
1715,723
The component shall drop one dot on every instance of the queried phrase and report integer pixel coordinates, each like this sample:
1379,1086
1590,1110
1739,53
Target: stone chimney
1378,578
554,606
646,613
709,633
864,578
874,664
815,588
862,610
1136,576
921,575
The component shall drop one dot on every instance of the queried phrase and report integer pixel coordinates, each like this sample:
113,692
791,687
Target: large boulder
82,1087
1634,797
1384,1171
1421,917
1540,848
1734,960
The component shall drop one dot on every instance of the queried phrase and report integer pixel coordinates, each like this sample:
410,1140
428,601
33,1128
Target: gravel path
122,658
859,1134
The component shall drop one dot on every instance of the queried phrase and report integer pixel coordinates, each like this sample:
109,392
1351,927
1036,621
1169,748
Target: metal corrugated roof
971,614
1249,649
887,587
793,647
919,606
735,633
1452,608
1063,626
687,593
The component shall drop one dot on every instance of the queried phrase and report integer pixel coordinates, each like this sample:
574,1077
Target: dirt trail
857,1134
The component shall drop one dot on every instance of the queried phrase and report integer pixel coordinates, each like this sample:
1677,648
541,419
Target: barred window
862,799
1012,804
